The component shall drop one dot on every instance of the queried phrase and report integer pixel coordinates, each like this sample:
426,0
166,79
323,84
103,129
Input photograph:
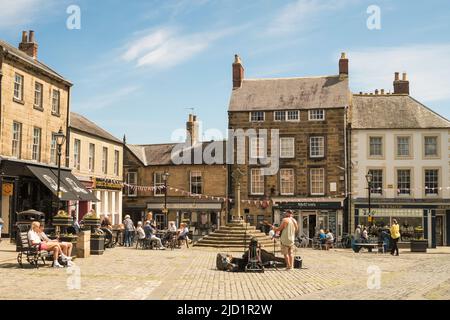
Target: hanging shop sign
106,184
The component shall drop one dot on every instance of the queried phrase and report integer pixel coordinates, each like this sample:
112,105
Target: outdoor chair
31,253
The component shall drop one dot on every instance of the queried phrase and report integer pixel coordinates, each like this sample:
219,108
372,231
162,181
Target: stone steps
235,235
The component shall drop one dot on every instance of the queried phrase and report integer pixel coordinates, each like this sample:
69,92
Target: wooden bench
31,253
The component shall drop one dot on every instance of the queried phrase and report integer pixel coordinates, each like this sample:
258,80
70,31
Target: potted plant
419,244
91,220
62,219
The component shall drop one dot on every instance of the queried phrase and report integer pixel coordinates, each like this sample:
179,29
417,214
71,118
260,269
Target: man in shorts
288,230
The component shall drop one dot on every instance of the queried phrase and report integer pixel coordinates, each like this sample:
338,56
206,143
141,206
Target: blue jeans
128,241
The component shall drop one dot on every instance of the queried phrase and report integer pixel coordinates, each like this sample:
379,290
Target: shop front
312,214
419,219
27,185
201,217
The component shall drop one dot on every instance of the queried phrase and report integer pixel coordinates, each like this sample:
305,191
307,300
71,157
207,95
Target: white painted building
405,147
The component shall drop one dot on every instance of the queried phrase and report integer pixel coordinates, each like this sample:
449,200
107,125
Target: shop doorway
308,224
439,231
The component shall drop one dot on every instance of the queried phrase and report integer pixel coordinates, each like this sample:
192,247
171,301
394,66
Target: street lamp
165,178
369,178
60,139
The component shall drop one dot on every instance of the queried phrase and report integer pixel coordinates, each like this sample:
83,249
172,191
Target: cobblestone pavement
127,273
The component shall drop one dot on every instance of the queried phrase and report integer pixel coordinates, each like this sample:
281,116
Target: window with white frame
317,147
196,182
257,116
36,149
293,115
18,87
287,147
280,115
403,146
91,159
376,146
257,182
431,182
158,184
404,182
53,147
257,148
76,154
17,140
287,181
377,181
116,162
55,102
431,146
317,181
105,160
132,183
38,92
316,115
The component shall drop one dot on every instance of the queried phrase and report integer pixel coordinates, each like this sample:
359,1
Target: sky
140,67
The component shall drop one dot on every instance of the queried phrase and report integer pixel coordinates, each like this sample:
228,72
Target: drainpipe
347,180
67,129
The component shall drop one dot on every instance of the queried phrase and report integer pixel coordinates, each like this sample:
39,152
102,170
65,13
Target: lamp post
165,178
369,178
60,139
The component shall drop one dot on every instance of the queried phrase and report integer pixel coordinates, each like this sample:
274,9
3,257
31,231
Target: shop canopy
71,189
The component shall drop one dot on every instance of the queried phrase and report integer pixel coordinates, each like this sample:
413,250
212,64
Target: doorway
439,231
308,222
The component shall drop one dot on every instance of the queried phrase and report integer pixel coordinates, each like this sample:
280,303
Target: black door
312,226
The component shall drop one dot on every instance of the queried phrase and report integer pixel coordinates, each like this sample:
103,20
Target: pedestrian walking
288,230
129,231
1,227
395,236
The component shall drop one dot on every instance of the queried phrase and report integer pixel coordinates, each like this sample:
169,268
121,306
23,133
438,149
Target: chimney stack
382,91
192,130
343,66
28,44
401,86
238,72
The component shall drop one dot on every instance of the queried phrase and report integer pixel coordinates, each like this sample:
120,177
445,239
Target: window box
419,245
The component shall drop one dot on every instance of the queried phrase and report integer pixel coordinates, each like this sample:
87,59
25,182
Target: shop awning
48,178
75,186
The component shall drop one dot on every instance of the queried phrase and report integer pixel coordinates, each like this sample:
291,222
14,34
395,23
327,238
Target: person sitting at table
329,239
65,247
183,233
150,236
35,240
365,236
172,226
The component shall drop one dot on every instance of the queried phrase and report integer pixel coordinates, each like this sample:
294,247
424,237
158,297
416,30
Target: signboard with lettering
106,184
310,205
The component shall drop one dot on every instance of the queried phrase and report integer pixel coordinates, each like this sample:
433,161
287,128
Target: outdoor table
118,236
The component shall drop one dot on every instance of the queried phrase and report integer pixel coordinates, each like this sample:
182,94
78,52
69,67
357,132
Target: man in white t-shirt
33,236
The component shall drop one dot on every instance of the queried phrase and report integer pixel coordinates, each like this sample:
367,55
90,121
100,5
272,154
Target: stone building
96,157
404,146
196,189
34,106
309,115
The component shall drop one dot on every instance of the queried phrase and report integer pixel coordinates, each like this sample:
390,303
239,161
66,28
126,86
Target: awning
48,178
75,186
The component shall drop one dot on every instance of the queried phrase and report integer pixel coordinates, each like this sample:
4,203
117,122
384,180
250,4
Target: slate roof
34,62
290,93
393,112
161,154
80,123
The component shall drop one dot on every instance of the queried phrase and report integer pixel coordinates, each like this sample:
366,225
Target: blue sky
137,66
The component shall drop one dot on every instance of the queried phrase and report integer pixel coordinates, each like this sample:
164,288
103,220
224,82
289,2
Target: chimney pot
382,91
24,37
31,37
397,76
376,91
404,76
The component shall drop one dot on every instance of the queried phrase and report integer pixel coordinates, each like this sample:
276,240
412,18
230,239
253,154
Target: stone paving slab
127,273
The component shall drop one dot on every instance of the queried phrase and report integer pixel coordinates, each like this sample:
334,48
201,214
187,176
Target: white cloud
166,46
21,12
428,67
105,100
300,15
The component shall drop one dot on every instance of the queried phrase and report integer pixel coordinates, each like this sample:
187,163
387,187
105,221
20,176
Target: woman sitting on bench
35,240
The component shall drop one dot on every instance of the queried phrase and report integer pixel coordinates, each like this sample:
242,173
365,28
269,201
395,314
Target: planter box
92,222
97,244
62,222
419,245
73,240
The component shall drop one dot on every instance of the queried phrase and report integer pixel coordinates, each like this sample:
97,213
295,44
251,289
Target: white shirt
34,237
330,236
173,228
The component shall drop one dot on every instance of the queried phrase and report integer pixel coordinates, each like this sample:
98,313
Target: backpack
222,262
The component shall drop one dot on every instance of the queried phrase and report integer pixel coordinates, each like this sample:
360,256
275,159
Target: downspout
346,167
68,129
